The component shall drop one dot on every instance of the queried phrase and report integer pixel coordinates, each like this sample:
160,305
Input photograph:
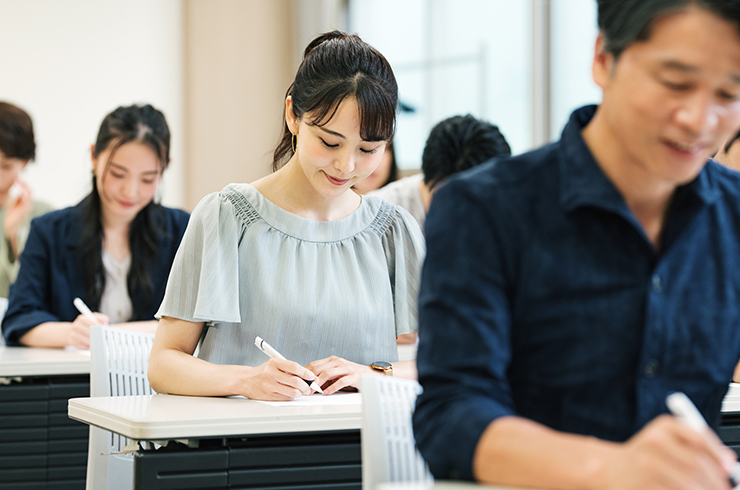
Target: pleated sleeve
404,250
203,285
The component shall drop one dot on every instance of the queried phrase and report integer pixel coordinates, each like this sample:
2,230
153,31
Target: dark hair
336,66
624,22
459,143
16,132
393,173
140,124
732,141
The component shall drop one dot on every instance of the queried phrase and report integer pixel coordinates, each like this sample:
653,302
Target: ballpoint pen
270,351
681,406
82,308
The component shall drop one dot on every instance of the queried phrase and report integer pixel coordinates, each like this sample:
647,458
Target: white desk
40,447
157,417
440,485
407,352
234,441
25,361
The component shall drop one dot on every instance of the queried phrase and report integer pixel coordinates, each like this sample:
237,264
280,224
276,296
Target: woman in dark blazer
113,250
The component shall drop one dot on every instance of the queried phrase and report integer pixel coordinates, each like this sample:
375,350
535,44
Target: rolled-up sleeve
464,333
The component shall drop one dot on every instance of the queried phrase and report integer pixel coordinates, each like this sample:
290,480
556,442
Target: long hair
336,66
145,125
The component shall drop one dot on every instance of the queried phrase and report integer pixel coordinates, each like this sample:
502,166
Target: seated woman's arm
174,370
29,304
62,334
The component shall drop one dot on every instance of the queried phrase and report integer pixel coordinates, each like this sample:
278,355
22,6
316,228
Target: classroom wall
239,63
69,63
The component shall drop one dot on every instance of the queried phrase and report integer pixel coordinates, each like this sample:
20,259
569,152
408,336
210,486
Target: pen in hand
82,308
681,406
270,351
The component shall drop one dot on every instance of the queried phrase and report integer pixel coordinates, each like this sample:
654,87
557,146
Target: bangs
376,109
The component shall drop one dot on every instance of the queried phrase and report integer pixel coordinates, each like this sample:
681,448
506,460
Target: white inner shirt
115,302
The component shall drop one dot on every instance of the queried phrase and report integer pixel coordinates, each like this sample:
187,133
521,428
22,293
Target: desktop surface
439,485
155,417
36,361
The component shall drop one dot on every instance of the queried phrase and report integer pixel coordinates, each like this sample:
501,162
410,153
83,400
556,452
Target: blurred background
219,70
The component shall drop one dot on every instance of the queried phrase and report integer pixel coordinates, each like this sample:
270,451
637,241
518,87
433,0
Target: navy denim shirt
50,276
541,296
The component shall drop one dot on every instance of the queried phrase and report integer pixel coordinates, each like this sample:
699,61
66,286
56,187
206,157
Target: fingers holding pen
278,380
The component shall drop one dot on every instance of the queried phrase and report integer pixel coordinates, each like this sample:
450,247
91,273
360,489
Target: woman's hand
276,380
15,214
335,373
78,331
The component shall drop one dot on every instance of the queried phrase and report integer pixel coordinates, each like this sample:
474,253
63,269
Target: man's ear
603,63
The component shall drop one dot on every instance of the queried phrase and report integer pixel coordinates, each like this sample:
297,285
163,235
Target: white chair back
3,309
119,362
388,449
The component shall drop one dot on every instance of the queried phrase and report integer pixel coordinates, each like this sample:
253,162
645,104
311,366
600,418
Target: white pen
270,351
681,406
82,308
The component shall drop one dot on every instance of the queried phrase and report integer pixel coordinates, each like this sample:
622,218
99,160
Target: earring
293,139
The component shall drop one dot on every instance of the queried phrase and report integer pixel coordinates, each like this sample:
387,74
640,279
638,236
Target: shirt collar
585,184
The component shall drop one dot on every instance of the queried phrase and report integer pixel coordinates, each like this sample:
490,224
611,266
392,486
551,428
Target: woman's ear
290,118
93,158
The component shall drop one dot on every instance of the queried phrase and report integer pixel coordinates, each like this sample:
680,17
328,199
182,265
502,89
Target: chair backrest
119,362
389,452
3,309
120,359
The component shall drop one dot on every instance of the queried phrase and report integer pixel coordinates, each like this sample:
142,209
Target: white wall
574,33
69,63
453,57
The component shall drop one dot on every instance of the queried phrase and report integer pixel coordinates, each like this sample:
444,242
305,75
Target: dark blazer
50,275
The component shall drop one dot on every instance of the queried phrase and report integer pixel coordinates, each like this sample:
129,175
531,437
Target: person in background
455,144
569,290
386,173
17,207
729,153
328,278
113,250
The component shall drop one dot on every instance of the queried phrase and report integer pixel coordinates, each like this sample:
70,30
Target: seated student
114,249
386,172
17,148
568,291
454,144
328,278
729,153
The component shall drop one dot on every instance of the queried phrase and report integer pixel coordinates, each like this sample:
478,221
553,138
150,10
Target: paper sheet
319,400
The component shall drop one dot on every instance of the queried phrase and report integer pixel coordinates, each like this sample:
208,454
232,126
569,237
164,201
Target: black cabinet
313,461
40,446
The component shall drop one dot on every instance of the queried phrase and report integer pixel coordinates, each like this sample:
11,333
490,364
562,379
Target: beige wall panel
238,64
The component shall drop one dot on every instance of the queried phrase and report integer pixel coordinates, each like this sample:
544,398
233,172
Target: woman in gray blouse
328,278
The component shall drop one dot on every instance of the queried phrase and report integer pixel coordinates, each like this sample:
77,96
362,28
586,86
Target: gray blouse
311,289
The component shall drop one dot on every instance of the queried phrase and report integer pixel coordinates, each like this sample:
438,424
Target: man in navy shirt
566,292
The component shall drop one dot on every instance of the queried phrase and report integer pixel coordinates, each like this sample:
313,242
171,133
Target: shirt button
656,283
651,368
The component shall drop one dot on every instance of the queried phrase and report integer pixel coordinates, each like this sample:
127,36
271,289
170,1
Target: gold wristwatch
382,367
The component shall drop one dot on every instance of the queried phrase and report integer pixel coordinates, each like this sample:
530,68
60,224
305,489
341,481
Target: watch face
382,364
